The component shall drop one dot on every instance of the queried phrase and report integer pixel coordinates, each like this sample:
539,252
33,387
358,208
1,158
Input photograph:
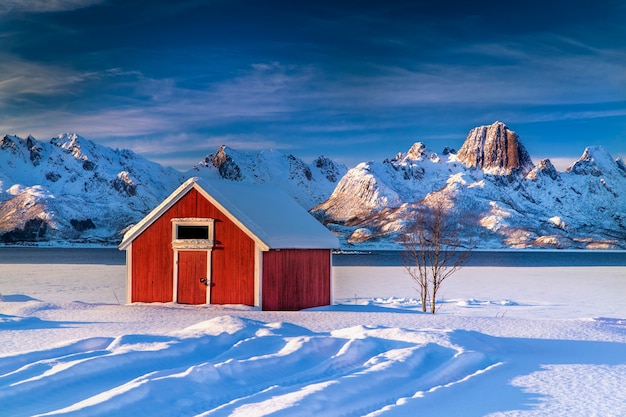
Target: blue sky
354,80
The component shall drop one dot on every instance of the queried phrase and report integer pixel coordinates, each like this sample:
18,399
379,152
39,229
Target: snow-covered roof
268,215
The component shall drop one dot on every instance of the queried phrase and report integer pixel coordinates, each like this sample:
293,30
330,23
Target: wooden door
192,277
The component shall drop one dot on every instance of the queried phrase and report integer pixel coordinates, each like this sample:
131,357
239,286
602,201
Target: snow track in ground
236,366
543,341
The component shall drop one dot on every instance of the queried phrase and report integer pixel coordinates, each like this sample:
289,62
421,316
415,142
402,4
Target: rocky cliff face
224,164
496,150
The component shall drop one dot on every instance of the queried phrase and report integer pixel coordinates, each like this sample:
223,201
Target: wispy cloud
25,81
40,6
177,142
323,73
162,114
19,78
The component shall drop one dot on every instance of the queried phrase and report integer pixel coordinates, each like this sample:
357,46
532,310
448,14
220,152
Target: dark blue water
513,258
62,256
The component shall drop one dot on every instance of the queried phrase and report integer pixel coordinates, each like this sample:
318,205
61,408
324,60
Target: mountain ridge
506,200
70,190
309,184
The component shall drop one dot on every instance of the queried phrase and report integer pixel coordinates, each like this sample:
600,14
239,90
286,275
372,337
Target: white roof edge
172,199
239,217
157,212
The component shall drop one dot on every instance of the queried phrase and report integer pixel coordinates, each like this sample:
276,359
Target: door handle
206,281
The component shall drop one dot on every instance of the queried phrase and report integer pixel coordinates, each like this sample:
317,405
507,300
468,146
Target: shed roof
268,215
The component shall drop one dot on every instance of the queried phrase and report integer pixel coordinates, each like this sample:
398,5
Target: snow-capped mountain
309,184
71,190
493,185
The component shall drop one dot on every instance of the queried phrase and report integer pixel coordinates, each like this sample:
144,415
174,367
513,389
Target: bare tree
433,250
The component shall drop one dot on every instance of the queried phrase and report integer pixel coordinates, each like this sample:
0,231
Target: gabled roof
269,216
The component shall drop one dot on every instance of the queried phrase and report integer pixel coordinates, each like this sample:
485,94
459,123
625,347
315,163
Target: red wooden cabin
221,242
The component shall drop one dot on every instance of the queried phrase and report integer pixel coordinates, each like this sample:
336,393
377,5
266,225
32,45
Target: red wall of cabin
232,256
294,279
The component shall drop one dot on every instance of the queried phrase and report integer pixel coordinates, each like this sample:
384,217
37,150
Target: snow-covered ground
506,342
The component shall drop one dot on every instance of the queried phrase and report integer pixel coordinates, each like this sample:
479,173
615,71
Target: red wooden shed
221,242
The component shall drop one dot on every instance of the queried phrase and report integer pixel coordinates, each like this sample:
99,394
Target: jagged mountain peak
11,138
516,204
72,189
224,163
591,151
331,170
23,149
597,154
74,144
496,150
309,184
12,141
415,156
594,161
417,151
544,167
68,140
8,142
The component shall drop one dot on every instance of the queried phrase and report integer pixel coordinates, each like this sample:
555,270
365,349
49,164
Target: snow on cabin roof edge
274,218
271,215
157,212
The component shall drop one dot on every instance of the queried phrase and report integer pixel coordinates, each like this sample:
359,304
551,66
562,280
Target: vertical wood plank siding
294,279
232,256
191,267
232,266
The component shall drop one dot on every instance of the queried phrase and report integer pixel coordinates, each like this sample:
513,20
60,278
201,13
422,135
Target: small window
192,232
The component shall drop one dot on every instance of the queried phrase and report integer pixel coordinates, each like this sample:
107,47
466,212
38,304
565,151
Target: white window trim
193,244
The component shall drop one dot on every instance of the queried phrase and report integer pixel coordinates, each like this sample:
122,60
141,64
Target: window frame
193,244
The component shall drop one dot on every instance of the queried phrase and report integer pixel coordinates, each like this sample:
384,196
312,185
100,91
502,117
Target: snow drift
500,350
